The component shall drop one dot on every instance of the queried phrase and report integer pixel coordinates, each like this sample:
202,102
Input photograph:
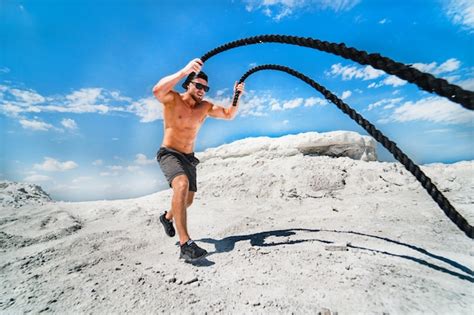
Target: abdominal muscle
182,124
180,139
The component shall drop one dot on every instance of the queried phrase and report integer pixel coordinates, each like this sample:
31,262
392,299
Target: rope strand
391,146
424,81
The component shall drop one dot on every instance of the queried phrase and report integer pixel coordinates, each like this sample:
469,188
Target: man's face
196,93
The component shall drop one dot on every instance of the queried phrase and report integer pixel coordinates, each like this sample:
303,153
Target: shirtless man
183,115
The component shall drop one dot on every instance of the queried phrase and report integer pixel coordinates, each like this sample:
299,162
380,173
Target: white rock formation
333,144
15,195
286,232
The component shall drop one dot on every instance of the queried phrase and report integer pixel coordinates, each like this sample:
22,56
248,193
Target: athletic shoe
168,225
191,252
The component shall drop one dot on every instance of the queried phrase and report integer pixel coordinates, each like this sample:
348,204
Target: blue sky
77,115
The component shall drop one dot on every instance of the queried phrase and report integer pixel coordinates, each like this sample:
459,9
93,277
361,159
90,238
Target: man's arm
227,113
162,90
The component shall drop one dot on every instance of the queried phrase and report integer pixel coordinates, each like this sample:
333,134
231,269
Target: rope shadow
227,244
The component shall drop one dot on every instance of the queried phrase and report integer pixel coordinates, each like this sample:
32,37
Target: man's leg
189,202
180,185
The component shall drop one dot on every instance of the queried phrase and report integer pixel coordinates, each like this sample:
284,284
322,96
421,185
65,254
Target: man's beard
196,98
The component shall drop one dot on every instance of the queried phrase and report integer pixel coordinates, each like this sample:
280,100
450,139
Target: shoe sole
189,259
164,226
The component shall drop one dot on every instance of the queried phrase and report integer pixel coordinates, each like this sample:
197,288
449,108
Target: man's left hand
239,87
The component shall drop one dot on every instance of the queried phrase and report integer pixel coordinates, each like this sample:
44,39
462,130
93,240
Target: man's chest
184,115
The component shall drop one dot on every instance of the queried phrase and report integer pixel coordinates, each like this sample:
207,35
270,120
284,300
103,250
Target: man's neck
189,100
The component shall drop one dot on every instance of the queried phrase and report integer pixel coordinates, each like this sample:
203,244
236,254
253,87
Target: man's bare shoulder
171,97
207,104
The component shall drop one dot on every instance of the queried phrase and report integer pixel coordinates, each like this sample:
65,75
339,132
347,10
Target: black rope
391,146
424,81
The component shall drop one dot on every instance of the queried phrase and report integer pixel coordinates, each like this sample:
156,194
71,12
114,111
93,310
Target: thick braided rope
391,146
425,81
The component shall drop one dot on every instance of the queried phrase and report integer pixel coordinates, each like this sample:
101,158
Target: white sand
275,226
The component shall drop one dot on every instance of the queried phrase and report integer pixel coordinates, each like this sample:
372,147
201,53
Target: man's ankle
168,216
181,243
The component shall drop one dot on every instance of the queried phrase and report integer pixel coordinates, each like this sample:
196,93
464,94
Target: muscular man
184,113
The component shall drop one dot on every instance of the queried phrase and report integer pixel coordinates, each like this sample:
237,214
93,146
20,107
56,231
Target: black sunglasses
200,86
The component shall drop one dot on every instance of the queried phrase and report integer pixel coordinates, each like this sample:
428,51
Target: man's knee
180,183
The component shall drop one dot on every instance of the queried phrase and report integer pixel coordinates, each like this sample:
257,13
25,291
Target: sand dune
289,229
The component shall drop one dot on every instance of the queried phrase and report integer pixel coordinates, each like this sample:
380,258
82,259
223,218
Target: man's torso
182,123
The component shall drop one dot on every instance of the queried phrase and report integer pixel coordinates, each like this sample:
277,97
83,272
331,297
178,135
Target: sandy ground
289,234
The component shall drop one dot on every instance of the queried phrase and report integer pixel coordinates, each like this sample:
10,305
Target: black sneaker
191,252
168,225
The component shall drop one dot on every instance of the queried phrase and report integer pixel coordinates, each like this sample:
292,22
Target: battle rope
425,81
391,146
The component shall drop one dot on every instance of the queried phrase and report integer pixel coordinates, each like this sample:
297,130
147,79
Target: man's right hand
194,65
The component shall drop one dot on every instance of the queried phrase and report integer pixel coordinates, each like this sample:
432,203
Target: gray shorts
174,163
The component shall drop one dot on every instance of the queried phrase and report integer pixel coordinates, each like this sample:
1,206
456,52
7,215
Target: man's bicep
218,112
166,97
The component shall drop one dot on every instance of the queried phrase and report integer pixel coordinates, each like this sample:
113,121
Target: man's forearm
233,109
167,83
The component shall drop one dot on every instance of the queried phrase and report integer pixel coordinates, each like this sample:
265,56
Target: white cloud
116,96
69,124
385,102
442,130
82,179
133,168
449,65
351,72
115,167
297,102
394,81
221,92
149,109
53,165
4,70
275,105
253,104
104,174
141,159
83,101
250,104
461,12
11,110
373,85
434,109
346,94
35,125
27,97
278,9
312,101
467,84
98,162
84,96
286,122
369,73
383,21
390,80
14,101
37,178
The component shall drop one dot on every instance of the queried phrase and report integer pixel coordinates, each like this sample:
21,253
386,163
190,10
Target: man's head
197,86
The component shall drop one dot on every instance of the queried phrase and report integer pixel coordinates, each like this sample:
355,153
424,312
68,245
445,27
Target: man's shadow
227,244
